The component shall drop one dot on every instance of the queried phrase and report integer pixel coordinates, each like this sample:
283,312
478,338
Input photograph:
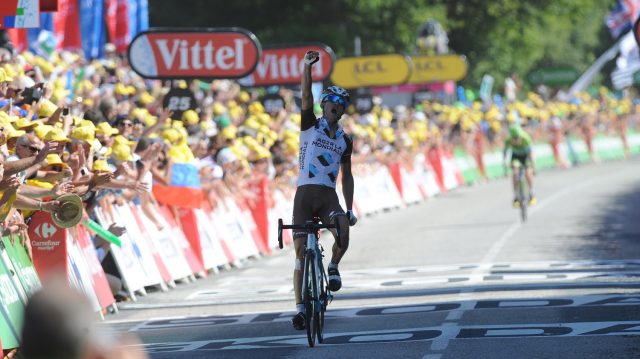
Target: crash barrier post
70,252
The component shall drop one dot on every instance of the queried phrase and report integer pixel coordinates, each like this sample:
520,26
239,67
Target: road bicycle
315,292
522,191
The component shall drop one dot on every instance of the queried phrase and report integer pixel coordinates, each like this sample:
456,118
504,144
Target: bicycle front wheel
310,297
322,303
524,196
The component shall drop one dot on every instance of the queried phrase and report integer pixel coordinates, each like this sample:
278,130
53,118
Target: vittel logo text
212,53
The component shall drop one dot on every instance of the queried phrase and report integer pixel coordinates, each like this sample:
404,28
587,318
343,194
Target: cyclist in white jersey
324,150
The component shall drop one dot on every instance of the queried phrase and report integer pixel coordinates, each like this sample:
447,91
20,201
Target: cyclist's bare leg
514,178
529,176
338,253
299,244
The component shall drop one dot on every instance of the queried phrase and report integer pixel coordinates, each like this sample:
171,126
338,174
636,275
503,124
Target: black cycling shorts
314,201
524,159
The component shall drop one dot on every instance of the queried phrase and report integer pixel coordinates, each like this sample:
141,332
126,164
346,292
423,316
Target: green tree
498,37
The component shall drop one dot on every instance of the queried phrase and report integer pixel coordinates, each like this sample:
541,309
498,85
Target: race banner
429,69
194,53
369,71
283,65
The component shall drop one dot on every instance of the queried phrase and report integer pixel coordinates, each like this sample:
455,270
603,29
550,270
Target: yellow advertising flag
368,71
427,69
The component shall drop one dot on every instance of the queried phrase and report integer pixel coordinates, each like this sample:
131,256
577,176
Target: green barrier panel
634,141
467,166
23,266
11,307
544,156
493,164
608,148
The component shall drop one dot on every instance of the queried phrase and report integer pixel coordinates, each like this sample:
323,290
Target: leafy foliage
498,37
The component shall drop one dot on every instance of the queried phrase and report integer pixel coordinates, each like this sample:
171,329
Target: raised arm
310,58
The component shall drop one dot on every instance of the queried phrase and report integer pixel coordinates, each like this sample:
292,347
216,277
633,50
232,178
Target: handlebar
311,227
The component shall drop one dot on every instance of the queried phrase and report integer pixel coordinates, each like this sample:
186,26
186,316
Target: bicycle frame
314,293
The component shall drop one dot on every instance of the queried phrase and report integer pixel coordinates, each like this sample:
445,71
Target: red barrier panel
478,140
435,160
70,251
49,245
188,221
99,279
157,258
260,213
187,251
394,169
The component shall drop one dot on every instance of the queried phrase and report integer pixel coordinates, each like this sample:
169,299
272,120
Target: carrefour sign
194,53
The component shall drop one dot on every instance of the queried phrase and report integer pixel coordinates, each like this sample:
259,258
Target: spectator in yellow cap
124,125
26,124
56,134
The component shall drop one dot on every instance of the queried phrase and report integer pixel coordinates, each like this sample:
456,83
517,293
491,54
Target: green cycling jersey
518,147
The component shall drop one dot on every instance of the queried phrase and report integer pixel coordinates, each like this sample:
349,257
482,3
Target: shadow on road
615,230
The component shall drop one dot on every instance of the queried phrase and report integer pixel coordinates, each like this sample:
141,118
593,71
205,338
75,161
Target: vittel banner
194,53
283,64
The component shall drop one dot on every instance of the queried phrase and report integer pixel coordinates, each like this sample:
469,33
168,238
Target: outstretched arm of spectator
13,167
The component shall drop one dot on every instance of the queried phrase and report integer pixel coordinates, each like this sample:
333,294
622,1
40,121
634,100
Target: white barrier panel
232,230
283,209
80,274
364,194
386,190
425,176
141,243
169,248
410,190
126,257
213,253
161,266
449,171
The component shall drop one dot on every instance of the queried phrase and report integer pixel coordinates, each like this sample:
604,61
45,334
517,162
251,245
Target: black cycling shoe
335,282
299,321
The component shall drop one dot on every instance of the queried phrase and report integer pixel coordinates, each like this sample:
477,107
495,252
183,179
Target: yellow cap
25,123
244,96
218,109
256,108
146,98
105,129
86,134
190,117
121,152
4,77
56,134
46,108
101,166
86,123
121,140
42,130
54,159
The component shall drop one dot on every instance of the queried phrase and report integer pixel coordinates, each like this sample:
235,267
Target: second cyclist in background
520,144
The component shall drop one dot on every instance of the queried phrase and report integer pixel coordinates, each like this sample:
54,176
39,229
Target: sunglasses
126,124
338,100
32,148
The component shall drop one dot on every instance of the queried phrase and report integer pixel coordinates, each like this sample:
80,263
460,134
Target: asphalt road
457,276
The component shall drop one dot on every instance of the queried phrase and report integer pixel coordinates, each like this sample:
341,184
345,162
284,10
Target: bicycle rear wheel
310,297
322,303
